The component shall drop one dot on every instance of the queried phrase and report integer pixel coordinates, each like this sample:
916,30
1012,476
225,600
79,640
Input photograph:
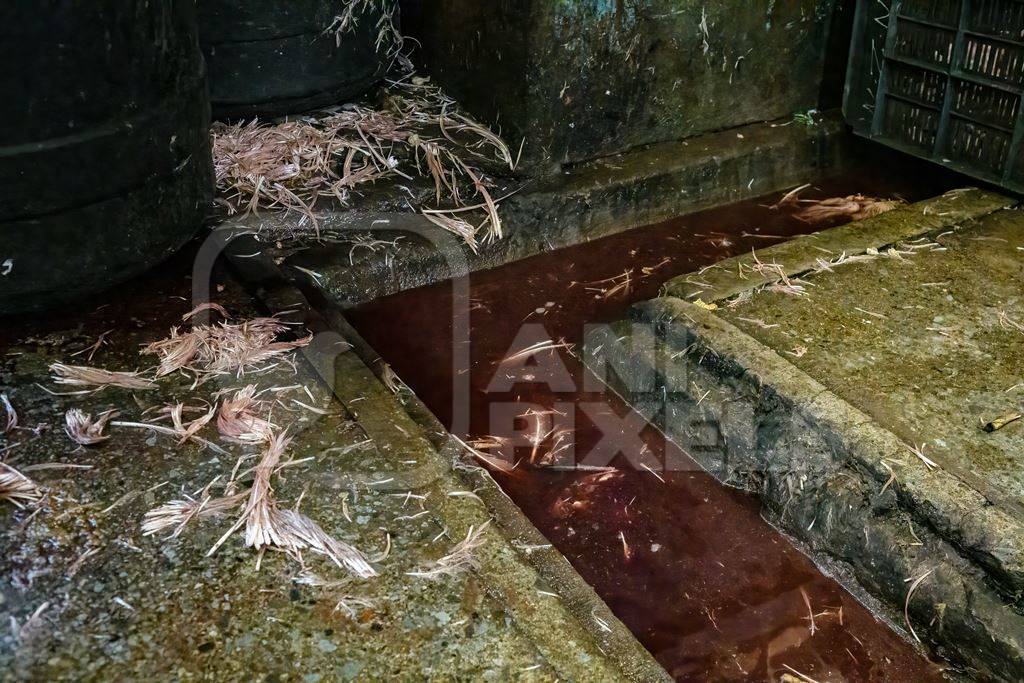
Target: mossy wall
581,79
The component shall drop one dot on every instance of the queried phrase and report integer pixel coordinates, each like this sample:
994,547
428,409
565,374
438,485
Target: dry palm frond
176,352
11,413
237,419
298,532
461,558
16,488
85,431
83,376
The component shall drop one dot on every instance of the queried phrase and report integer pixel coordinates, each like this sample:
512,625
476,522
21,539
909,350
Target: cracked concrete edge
865,545
587,202
980,583
565,629
799,255
935,497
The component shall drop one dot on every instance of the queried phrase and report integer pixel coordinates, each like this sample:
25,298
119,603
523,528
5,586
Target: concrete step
586,202
846,378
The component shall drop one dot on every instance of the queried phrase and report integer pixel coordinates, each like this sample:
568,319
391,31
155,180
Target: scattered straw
461,558
83,430
918,450
224,347
177,514
12,415
16,488
292,165
1007,322
238,421
906,603
83,376
268,526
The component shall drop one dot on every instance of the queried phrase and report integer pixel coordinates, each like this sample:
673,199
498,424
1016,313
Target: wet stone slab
112,604
929,345
851,375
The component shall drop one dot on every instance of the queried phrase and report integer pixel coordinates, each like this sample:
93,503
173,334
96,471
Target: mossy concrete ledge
854,406
585,202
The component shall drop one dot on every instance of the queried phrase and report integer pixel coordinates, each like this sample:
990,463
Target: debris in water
533,349
856,207
477,448
85,431
810,612
618,284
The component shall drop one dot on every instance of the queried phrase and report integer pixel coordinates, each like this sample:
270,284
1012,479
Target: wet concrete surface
704,583
115,605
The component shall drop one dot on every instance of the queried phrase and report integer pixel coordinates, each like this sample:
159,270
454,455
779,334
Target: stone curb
518,560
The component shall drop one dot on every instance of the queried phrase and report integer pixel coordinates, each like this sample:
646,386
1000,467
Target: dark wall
586,78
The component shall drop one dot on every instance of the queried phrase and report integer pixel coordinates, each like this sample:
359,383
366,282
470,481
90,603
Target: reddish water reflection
688,565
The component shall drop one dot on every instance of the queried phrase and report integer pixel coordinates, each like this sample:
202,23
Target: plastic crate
942,80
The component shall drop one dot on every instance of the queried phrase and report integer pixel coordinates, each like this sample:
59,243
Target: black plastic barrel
274,57
105,164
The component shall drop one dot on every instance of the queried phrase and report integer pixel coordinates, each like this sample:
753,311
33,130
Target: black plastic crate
943,80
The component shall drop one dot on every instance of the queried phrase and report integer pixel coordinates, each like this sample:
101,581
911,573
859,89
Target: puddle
713,591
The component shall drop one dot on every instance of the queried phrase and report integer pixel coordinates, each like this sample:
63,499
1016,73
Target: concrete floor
114,605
